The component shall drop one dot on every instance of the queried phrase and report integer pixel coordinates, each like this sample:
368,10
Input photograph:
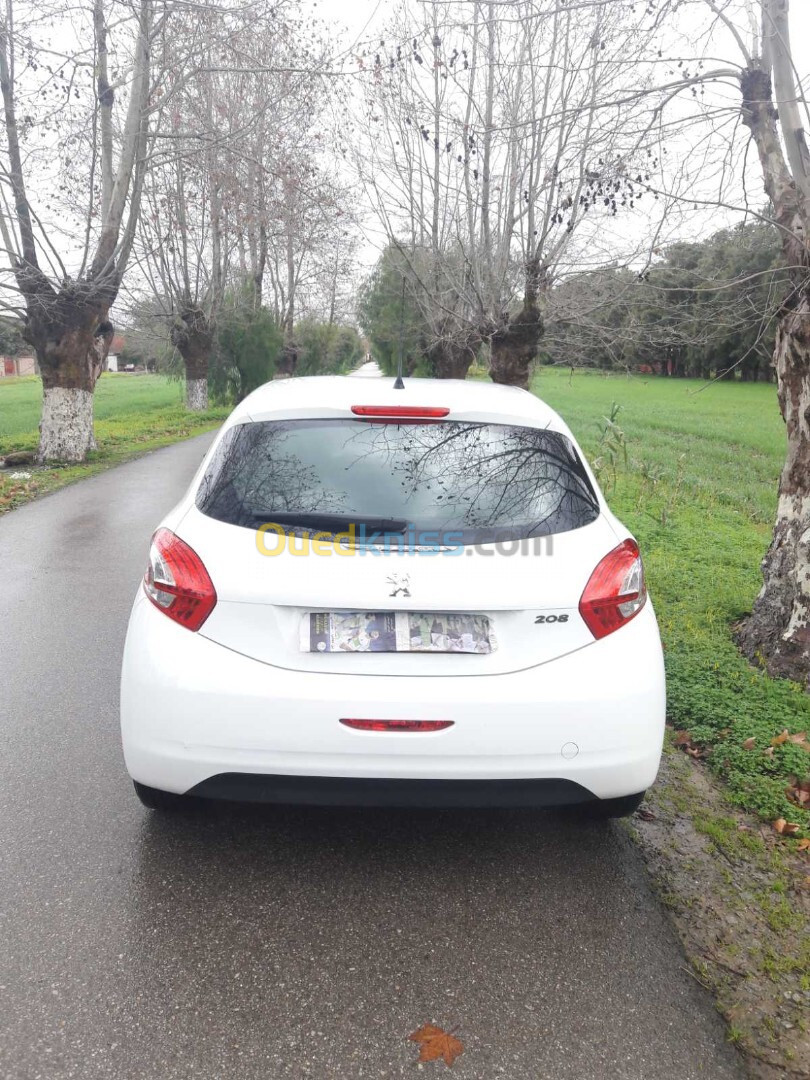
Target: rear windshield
468,483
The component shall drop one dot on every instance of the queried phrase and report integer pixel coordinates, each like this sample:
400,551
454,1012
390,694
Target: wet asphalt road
234,943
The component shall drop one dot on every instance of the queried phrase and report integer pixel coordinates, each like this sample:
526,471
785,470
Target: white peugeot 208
383,596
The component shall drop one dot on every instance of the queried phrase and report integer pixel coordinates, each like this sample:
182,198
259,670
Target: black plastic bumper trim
350,791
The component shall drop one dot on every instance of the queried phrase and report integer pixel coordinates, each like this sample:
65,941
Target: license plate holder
396,631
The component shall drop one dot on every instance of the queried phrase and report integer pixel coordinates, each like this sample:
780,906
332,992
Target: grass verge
741,903
693,473
134,414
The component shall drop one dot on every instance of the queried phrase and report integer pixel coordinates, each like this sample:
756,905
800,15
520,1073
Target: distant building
17,365
117,346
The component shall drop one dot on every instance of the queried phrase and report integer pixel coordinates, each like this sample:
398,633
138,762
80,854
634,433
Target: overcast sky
357,21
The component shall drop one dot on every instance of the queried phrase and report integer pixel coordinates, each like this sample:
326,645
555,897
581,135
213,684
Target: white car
382,596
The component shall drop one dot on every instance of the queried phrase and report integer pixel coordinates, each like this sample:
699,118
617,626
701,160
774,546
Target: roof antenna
398,383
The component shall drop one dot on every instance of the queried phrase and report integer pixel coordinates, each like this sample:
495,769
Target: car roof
333,395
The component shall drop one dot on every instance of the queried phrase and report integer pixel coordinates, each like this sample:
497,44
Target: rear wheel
602,809
159,800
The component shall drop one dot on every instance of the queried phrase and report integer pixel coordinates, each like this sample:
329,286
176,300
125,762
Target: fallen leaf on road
646,814
777,740
436,1043
749,744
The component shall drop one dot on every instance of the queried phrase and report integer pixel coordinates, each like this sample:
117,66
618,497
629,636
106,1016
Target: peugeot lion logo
401,583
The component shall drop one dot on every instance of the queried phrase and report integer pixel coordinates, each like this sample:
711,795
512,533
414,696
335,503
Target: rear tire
602,809
154,799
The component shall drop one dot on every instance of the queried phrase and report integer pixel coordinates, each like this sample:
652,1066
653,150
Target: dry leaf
779,739
803,845
799,792
436,1043
749,743
682,738
799,738
786,828
768,751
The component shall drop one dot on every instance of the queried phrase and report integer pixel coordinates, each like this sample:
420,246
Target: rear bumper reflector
397,725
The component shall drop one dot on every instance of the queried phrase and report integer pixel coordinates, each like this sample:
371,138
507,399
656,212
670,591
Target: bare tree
192,190
754,101
238,205
86,109
502,133
410,165
307,243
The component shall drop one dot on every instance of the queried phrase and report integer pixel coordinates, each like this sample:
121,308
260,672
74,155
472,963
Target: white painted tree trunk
66,427
197,395
777,633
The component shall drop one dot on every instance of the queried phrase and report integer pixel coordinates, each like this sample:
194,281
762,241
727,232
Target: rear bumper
363,791
192,710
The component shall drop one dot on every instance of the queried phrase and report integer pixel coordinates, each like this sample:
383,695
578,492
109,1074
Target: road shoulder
740,900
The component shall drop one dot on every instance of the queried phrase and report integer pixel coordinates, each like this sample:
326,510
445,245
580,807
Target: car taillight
176,581
615,592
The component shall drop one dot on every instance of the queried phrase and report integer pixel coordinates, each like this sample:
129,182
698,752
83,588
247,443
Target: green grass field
119,400
133,414
693,473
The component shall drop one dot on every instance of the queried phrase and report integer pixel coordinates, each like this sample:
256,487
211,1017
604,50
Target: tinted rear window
478,482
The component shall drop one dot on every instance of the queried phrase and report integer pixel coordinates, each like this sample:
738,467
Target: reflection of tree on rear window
480,482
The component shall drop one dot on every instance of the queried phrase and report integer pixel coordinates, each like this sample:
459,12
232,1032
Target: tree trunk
288,360
66,425
452,364
514,347
71,337
196,394
451,359
777,633
193,336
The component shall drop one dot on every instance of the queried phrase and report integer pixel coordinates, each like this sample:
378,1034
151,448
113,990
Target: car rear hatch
483,535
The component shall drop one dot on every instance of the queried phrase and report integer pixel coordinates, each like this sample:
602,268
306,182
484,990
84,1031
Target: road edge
740,902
